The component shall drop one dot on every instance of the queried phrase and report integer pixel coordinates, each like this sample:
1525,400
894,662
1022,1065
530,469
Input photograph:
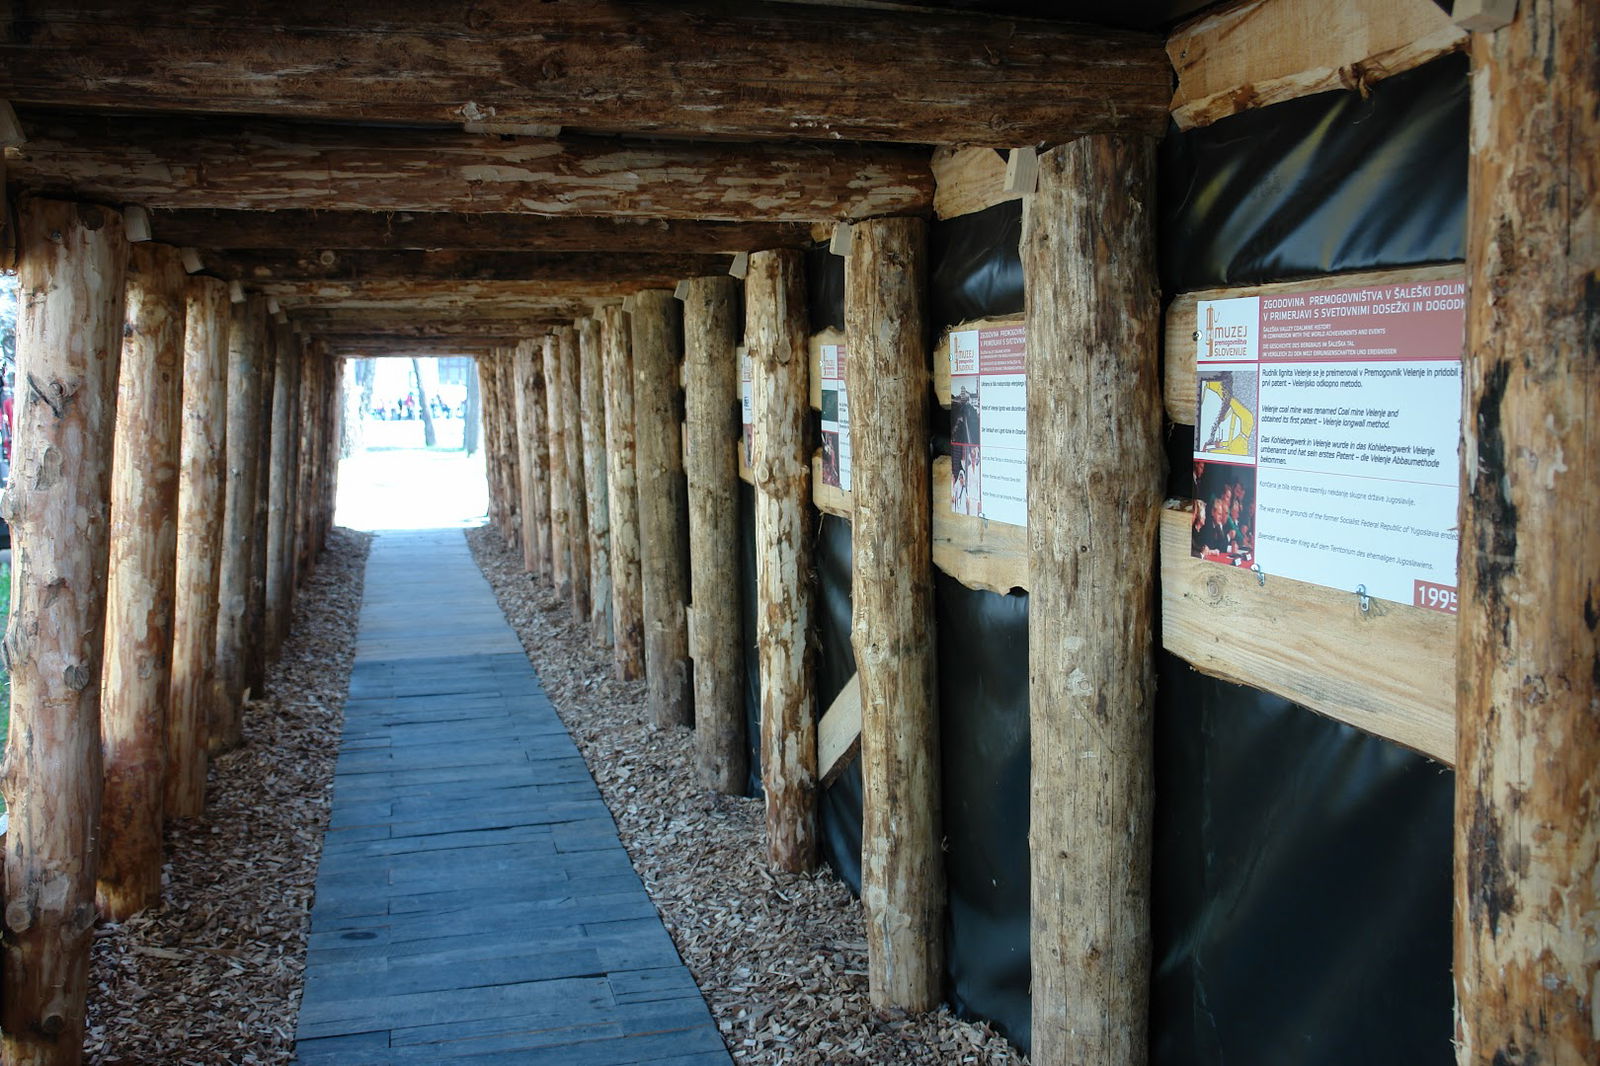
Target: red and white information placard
1326,436
989,423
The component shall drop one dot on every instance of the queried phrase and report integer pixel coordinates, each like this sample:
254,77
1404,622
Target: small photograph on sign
965,495
1224,529
1227,407
830,459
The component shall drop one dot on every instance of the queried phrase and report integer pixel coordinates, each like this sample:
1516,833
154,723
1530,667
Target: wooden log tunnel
390,224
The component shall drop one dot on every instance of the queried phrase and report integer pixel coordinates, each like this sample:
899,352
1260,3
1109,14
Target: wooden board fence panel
1389,670
1262,52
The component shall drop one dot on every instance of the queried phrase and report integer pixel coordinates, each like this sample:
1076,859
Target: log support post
246,357
571,395
891,588
69,339
1095,473
710,462
525,418
775,305
663,523
203,456
137,679
285,352
627,595
597,503
257,643
1527,844
557,487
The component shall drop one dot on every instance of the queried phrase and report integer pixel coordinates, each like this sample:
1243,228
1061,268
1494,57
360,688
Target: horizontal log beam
211,164
361,267
442,299
687,68
423,323
377,347
442,231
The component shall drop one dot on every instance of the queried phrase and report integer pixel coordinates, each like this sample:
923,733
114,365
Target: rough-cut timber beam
1527,822
444,231
397,320
663,515
710,463
195,163
473,297
199,550
1095,473
891,589
379,346
627,596
608,269
701,67
137,677
69,343
775,309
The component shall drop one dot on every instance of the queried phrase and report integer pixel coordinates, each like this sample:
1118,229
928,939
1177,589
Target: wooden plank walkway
474,904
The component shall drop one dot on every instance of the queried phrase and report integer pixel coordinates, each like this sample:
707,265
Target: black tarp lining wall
1301,910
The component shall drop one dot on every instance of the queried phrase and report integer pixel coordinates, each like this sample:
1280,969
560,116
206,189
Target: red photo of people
1224,529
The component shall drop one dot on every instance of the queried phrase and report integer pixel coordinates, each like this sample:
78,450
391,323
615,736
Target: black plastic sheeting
824,289
975,265
747,629
983,739
1328,183
839,805
1302,887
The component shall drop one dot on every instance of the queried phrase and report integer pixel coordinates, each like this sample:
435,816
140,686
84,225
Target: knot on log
76,677
19,916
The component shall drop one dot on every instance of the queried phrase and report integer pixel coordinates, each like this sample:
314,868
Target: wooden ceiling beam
643,270
689,68
213,164
440,231
379,293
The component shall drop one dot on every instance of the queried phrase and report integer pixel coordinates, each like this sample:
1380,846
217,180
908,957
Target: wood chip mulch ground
780,958
214,975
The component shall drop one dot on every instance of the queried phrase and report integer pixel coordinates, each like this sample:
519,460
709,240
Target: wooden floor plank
474,903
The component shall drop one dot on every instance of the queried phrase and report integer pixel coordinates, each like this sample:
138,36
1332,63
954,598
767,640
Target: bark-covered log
276,619
710,463
523,414
445,231
556,480
137,679
597,502
69,342
318,262
578,514
1527,855
1095,474
891,590
627,594
703,67
775,303
663,521
246,359
257,641
199,550
264,166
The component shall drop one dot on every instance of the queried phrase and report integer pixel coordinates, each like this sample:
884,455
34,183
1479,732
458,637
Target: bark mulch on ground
214,975
781,958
